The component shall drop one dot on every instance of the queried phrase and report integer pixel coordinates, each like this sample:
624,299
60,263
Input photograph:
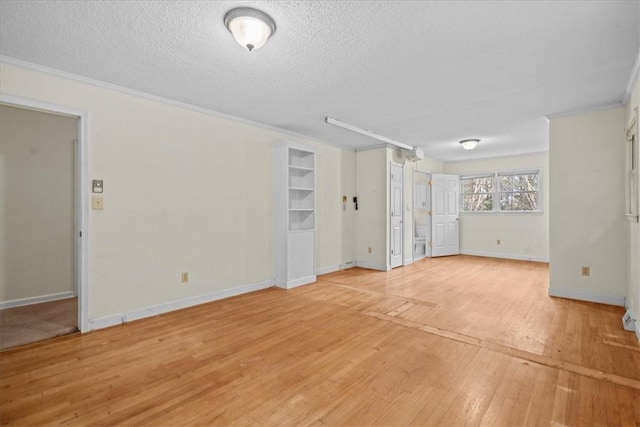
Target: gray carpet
37,322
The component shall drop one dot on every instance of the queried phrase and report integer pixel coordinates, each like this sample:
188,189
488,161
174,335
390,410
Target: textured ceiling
423,73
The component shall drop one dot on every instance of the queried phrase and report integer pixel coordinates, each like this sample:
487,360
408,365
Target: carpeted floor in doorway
37,322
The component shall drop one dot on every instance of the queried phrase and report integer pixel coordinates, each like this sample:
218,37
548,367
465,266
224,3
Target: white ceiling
422,73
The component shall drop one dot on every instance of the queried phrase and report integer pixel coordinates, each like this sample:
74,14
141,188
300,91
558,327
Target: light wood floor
450,341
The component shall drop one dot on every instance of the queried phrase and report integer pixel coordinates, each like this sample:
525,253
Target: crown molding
507,156
144,95
584,110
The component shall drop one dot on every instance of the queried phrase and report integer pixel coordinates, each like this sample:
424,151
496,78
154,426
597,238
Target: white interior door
445,230
396,216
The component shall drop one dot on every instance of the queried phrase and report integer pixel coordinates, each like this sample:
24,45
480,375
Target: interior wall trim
82,222
593,109
141,313
587,296
518,257
372,266
175,103
333,268
36,300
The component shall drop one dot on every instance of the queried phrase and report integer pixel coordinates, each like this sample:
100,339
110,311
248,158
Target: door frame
402,216
81,190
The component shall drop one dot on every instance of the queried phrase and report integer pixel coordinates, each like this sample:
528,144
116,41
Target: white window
517,191
477,193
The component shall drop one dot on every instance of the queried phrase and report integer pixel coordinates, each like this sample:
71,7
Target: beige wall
371,217
373,184
586,222
184,191
430,165
522,236
633,228
348,216
36,204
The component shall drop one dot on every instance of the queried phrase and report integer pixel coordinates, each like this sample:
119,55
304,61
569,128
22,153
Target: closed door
445,224
396,216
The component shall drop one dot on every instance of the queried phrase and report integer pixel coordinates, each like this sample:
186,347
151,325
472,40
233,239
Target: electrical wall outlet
585,271
185,277
498,242
369,249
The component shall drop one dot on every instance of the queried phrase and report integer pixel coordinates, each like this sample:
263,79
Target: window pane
478,185
477,202
524,182
519,201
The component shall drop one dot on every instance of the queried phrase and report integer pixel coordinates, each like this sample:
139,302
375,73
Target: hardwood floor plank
452,341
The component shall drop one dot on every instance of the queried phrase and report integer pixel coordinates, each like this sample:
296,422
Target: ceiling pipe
335,122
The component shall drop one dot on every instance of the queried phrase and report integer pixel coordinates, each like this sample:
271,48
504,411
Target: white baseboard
638,331
334,268
372,266
36,300
587,296
295,283
408,261
505,256
327,270
116,319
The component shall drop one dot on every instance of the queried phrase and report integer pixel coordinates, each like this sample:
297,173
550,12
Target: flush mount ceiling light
469,144
250,27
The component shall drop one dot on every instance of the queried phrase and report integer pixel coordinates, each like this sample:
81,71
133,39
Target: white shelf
301,178
301,158
300,168
295,215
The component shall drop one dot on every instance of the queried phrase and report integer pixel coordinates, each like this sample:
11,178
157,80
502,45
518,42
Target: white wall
184,191
633,229
522,235
371,217
335,233
373,183
348,216
430,165
586,222
36,204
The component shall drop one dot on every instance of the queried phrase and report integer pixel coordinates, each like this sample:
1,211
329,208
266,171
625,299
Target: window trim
497,191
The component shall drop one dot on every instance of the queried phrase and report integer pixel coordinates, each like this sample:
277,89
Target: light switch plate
97,186
97,203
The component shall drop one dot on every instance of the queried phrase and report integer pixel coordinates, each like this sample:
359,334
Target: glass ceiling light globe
250,27
469,144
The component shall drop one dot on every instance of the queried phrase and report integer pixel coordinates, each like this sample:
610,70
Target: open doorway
39,266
